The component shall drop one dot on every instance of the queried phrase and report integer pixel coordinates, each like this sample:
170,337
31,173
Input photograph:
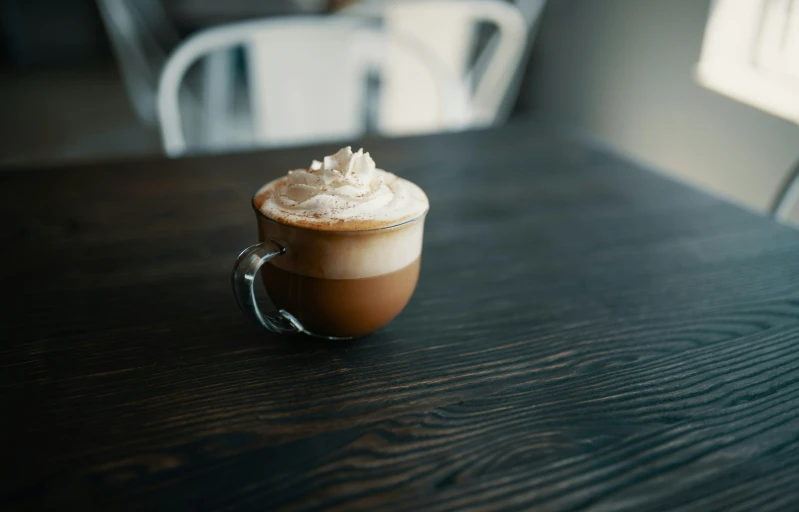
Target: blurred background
707,91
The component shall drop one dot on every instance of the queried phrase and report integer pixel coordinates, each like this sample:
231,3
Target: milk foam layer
344,255
346,192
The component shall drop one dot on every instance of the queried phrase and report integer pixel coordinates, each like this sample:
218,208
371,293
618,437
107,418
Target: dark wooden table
586,334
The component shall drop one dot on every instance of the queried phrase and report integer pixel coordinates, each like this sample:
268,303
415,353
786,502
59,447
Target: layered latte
352,235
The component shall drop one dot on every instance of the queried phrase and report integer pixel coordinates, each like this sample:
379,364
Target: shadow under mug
329,284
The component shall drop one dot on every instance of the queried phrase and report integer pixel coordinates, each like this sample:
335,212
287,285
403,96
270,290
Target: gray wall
623,70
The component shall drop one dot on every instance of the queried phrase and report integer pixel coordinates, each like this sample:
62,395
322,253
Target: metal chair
307,79
450,28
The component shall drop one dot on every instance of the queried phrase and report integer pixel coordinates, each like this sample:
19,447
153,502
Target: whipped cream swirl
346,188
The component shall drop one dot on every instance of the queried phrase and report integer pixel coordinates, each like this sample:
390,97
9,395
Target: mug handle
244,272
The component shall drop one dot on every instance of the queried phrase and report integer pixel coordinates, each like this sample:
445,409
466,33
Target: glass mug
329,284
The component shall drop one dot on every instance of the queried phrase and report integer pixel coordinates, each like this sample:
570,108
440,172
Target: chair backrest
449,28
303,73
307,77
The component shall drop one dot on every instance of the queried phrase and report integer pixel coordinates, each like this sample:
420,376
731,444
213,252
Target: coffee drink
352,240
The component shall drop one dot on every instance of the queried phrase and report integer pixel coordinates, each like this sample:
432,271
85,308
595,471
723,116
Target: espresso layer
341,307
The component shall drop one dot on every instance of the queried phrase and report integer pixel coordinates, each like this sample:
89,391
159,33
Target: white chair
449,28
307,79
143,35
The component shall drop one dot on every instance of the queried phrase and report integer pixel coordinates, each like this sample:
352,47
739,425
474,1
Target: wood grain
585,334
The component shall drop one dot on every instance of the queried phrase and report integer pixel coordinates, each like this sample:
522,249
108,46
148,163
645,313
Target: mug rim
259,213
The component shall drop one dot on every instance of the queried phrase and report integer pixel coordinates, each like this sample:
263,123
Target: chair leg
217,97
